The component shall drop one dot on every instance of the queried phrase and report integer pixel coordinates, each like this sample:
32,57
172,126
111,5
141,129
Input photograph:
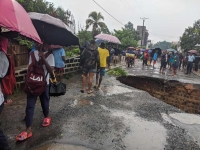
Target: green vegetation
117,72
25,42
163,45
94,21
191,37
72,51
128,36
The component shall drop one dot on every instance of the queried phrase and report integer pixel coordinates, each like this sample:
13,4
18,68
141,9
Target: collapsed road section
184,96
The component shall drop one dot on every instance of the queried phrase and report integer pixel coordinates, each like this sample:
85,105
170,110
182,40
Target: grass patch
117,72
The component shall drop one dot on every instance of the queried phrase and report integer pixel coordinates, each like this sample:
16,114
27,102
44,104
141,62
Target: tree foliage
45,7
191,37
128,35
95,21
163,45
84,35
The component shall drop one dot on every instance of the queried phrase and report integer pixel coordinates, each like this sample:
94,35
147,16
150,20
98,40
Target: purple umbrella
108,38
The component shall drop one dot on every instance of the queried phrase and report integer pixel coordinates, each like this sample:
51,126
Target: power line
130,7
121,22
109,13
140,7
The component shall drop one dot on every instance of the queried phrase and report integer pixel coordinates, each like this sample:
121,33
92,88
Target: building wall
145,35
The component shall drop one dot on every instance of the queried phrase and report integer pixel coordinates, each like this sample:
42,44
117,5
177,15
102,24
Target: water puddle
114,90
57,146
82,102
144,135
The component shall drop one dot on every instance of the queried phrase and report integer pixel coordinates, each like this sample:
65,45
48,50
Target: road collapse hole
181,95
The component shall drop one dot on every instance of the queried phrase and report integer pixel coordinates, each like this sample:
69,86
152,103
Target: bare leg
100,80
97,78
91,75
84,77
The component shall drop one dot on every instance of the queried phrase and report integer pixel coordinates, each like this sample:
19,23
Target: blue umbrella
150,51
143,50
98,41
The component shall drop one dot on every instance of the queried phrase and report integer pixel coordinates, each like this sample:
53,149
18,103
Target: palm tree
94,20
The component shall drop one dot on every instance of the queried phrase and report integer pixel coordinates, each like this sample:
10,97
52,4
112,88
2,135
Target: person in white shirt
190,63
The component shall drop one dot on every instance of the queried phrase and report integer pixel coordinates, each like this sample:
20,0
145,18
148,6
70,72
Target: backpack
35,83
9,81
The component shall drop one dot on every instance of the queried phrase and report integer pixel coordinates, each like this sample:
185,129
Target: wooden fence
20,54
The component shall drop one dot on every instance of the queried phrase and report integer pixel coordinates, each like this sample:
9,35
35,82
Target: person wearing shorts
59,56
103,54
88,62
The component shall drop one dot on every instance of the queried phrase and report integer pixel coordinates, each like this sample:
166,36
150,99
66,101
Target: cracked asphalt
117,117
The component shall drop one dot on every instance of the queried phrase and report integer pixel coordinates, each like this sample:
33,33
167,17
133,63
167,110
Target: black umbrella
156,49
52,30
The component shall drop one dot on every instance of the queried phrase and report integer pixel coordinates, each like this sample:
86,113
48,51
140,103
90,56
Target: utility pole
143,29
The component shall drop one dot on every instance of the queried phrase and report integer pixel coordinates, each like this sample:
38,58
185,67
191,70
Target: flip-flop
46,122
8,102
82,91
23,136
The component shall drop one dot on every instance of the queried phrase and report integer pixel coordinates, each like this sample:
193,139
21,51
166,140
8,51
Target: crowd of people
93,61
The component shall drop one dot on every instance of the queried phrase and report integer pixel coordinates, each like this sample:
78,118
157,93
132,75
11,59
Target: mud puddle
82,102
56,146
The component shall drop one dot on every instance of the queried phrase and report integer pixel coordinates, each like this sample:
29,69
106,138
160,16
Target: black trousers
3,140
189,67
196,66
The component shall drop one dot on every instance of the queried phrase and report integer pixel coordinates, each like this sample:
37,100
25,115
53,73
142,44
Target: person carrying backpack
4,65
40,68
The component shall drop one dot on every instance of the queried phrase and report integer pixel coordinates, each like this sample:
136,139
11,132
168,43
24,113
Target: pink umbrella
14,18
108,38
193,51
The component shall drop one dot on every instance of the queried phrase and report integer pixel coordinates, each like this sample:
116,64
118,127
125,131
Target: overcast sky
167,18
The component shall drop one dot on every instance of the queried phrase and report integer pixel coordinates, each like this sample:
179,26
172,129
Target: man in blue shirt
155,57
59,56
190,63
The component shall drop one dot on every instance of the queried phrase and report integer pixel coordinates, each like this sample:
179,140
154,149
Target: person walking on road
180,60
175,64
191,59
89,61
164,59
145,58
45,60
155,57
59,56
104,54
196,62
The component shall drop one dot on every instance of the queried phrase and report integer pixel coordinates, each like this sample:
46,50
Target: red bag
35,79
9,81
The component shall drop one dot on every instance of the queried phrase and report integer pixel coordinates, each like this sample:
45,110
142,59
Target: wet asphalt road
117,117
